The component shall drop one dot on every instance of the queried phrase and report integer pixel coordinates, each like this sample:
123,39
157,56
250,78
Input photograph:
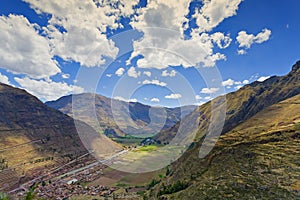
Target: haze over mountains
116,118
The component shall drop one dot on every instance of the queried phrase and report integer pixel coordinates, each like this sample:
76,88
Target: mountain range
256,156
117,118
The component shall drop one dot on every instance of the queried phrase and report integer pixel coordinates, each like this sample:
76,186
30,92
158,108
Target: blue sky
155,52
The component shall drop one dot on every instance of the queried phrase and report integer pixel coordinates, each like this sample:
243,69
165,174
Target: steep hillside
257,157
246,102
35,137
105,120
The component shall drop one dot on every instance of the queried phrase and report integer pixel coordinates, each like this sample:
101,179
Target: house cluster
56,185
62,190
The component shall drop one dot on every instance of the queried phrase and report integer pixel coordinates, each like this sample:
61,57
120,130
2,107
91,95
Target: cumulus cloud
209,90
263,78
147,73
165,73
133,73
77,36
154,82
47,90
4,79
83,45
126,100
173,96
246,82
228,82
23,50
161,47
213,12
65,76
208,98
156,100
246,40
198,97
223,41
120,71
242,51
77,29
238,87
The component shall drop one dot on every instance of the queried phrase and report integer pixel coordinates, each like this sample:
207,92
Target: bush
173,188
153,183
4,196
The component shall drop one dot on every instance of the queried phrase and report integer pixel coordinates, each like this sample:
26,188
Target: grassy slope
244,103
257,159
35,137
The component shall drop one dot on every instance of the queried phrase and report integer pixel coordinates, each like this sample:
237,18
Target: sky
159,52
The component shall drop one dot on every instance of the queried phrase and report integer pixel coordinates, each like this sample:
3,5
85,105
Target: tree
4,196
31,194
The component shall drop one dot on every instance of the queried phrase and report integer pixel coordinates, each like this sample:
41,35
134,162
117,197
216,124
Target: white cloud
246,40
133,73
108,75
162,47
238,87
4,79
200,103
263,78
208,98
47,90
155,100
126,100
263,36
154,82
23,50
213,12
147,73
223,41
165,73
228,82
120,71
246,82
209,90
173,96
76,30
84,23
133,100
242,51
65,76
198,97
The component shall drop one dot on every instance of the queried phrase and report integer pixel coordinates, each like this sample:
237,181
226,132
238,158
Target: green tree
4,196
31,194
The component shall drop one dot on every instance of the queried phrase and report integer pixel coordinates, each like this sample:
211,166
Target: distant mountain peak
296,66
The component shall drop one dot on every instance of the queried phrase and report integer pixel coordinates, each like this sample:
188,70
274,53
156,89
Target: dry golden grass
257,159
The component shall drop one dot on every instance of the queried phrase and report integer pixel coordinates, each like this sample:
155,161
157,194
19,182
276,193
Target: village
67,181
